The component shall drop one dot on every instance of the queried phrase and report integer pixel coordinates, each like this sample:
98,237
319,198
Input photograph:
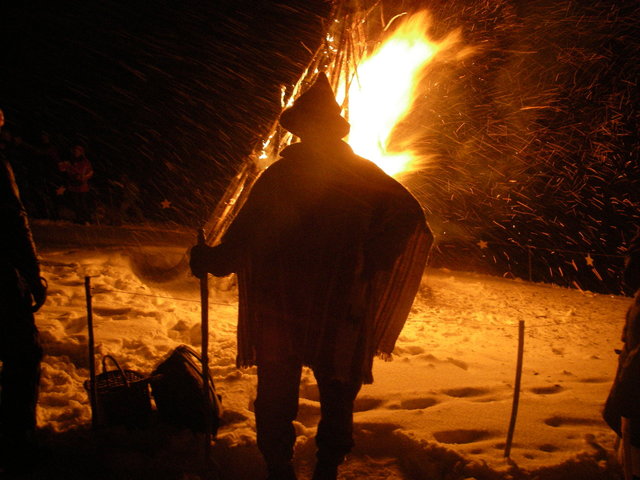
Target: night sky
173,93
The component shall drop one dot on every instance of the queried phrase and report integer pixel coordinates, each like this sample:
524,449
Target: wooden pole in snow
204,315
516,390
93,394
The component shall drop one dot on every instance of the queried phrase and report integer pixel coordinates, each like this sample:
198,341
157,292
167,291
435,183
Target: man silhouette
22,292
329,252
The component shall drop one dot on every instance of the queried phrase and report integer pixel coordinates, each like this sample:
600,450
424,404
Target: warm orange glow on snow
384,90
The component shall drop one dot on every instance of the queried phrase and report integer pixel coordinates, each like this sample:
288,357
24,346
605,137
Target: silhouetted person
22,292
622,408
79,171
329,252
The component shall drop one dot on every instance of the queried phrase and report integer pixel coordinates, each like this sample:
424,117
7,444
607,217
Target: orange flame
384,91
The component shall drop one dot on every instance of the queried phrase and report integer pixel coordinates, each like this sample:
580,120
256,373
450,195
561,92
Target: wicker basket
122,396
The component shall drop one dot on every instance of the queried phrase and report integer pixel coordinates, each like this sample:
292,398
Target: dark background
174,93
530,143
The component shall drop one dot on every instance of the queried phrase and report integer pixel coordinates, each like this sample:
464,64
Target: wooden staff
93,394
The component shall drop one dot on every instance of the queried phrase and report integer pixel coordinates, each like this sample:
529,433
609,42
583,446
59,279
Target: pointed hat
316,112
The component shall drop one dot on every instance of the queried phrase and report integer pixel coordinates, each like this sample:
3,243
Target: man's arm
225,258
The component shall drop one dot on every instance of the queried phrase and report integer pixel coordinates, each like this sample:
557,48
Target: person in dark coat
78,171
329,253
22,292
622,407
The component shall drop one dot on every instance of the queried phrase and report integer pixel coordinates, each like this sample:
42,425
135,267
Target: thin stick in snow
516,390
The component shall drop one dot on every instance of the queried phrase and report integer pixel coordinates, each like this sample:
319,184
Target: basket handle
115,362
198,360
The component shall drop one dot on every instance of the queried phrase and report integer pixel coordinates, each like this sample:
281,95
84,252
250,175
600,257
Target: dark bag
122,396
178,389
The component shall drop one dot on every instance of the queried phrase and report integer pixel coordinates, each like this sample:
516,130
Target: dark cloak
329,252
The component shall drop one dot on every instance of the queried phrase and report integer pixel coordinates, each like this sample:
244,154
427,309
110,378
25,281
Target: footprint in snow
461,436
418,403
547,390
466,392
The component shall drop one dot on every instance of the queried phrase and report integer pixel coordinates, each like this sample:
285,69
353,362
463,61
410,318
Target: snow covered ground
439,410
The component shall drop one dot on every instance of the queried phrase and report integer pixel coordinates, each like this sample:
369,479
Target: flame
384,89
